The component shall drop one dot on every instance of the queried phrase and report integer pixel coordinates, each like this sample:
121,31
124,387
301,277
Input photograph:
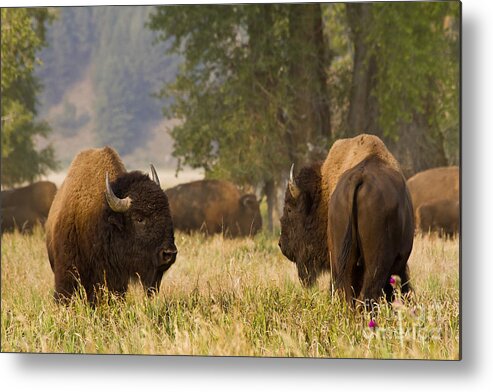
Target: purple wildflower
372,324
395,281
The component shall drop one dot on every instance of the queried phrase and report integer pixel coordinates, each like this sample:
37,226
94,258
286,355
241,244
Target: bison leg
66,284
375,280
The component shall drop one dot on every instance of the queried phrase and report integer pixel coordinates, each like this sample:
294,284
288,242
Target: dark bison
25,207
436,192
441,215
21,218
352,215
107,226
214,206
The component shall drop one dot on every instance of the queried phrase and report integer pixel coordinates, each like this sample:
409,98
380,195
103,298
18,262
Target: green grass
231,297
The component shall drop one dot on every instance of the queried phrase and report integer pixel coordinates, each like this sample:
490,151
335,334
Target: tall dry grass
231,297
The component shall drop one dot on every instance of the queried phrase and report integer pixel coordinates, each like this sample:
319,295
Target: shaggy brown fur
441,215
347,153
27,206
90,242
370,196
441,183
214,206
304,226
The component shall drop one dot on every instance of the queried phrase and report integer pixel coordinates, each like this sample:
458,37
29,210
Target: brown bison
352,215
440,215
21,218
437,191
108,226
25,207
214,206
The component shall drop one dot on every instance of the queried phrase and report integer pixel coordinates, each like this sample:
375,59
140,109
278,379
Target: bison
351,215
21,218
108,226
435,195
439,215
25,207
214,206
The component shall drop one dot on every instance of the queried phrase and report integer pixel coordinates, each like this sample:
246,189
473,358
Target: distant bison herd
214,206
353,215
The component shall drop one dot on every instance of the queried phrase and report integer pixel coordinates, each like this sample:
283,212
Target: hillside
101,72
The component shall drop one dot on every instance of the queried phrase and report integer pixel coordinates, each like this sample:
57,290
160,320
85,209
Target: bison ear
116,220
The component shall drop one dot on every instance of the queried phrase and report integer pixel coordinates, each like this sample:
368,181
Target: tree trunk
362,106
417,148
309,114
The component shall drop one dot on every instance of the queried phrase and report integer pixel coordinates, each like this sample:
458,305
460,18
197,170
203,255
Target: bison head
303,237
249,218
139,225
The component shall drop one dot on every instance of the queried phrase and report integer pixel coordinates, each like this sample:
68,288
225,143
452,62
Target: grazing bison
107,226
440,215
214,206
352,215
25,207
21,218
436,192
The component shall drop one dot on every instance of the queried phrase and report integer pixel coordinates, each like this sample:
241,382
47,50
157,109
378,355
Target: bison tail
351,234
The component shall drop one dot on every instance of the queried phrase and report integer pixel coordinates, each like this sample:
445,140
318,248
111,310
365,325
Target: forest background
238,92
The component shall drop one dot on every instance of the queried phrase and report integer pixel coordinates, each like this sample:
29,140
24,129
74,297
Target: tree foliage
243,93
252,94
23,35
405,79
418,68
266,85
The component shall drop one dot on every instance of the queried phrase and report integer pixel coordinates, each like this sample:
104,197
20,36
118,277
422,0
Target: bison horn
115,203
248,199
293,188
154,176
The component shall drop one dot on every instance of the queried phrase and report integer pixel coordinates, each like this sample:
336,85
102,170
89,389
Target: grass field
231,297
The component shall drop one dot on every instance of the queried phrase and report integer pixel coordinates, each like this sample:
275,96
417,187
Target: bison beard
105,235
357,221
303,239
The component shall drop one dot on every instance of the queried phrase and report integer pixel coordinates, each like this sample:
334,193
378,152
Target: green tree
262,86
252,93
23,34
405,83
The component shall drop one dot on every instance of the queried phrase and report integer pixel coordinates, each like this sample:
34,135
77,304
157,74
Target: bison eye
140,219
